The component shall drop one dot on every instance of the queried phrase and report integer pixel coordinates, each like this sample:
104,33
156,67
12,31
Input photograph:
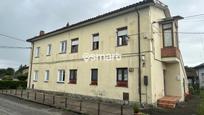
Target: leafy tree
10,71
7,78
22,77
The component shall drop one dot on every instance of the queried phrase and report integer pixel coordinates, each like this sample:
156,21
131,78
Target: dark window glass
73,76
122,77
75,44
122,74
122,36
95,45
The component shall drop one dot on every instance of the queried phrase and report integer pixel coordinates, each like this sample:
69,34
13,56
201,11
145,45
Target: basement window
122,77
122,36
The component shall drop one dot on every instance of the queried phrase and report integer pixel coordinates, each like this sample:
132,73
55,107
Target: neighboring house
200,72
192,76
143,34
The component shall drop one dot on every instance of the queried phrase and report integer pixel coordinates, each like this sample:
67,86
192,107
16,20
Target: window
47,74
122,36
202,74
168,35
202,79
35,78
95,44
73,76
37,52
75,44
49,49
122,77
63,46
94,76
61,76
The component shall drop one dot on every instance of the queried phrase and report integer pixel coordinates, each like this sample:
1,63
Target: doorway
164,77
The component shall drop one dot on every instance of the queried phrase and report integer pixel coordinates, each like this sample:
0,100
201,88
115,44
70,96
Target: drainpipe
139,60
31,61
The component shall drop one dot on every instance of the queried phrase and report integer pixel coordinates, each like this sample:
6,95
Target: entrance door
164,75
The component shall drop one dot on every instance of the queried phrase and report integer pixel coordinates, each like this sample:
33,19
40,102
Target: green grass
200,110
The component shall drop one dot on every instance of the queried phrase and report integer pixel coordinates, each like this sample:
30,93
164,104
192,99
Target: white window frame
74,43
47,75
95,41
122,36
168,36
36,75
37,52
61,74
49,47
63,46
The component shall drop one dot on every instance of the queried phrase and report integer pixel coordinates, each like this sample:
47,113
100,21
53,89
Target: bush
194,89
200,110
22,77
136,108
12,84
7,78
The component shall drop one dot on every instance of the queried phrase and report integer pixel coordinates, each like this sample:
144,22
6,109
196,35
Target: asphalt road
14,106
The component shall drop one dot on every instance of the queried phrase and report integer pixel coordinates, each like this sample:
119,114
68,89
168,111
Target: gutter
139,58
31,63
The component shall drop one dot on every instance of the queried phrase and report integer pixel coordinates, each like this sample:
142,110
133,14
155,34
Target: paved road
14,106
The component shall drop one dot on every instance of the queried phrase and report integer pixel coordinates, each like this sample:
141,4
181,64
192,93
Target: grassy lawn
201,104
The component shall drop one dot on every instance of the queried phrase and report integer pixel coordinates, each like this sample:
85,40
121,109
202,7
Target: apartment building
128,54
200,73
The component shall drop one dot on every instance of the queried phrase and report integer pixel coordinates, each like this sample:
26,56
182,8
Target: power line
12,47
194,33
192,16
11,37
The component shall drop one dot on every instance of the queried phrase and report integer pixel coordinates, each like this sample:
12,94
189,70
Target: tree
22,77
10,71
7,78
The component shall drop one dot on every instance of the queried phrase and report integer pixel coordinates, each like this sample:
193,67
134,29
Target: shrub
200,110
136,108
12,84
7,78
22,77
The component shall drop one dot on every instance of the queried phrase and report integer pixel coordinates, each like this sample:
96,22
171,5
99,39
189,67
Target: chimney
67,24
41,33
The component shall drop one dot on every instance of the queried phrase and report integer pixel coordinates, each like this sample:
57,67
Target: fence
64,102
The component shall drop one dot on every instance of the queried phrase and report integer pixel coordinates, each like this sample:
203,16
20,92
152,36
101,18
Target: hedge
13,84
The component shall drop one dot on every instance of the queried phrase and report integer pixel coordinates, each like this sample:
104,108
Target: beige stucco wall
107,70
156,64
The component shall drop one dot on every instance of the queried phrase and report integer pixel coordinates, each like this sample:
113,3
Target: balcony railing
170,52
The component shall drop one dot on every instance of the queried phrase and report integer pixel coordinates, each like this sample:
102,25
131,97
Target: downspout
139,60
31,62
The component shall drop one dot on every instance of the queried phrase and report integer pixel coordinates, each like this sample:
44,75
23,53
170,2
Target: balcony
170,54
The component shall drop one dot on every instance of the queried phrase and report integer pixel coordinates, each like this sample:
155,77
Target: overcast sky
25,18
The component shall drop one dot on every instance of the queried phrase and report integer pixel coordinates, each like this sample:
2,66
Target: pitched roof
199,66
139,5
